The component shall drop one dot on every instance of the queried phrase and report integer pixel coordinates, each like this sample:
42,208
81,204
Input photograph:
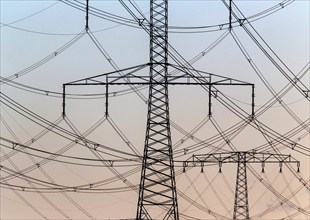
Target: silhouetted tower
242,158
157,189
157,184
241,206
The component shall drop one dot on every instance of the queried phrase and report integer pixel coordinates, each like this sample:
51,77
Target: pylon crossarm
118,74
207,77
185,76
234,157
129,76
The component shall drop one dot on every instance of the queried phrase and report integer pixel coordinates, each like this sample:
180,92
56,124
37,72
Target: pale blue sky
286,31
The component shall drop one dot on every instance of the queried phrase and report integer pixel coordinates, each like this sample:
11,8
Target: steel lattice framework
157,184
242,158
157,189
241,210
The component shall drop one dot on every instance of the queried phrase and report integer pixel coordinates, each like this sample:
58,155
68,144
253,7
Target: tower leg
241,205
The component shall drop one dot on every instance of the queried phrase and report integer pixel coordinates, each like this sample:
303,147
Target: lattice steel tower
241,205
157,184
242,158
157,190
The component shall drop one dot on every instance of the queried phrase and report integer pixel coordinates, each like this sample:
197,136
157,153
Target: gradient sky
32,30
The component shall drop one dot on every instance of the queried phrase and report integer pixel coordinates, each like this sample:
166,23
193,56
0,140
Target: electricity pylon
157,189
157,183
241,205
242,158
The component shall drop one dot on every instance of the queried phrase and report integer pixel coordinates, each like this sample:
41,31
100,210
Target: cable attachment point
298,167
140,21
263,167
241,21
184,165
220,167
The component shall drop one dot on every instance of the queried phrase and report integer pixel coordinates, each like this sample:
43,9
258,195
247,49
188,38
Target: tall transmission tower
157,189
242,158
157,175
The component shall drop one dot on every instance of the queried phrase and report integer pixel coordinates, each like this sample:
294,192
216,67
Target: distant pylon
242,158
241,206
157,184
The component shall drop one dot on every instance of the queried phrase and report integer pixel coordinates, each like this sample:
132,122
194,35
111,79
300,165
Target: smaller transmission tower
242,158
241,210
